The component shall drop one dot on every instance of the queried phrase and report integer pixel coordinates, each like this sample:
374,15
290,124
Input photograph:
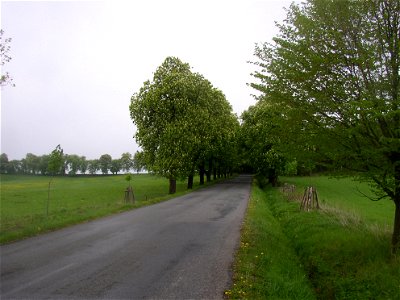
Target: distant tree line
72,164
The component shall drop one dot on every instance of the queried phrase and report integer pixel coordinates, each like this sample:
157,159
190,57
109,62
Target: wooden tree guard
310,199
129,196
289,190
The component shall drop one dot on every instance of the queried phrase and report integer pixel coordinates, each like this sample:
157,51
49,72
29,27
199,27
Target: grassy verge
266,266
72,200
329,252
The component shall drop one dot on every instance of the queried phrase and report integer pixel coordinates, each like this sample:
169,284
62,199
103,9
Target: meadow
348,196
341,251
72,200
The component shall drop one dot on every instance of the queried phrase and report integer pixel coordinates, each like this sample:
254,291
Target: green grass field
346,195
72,200
332,253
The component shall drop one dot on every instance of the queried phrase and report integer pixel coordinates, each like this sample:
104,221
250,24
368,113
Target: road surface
179,249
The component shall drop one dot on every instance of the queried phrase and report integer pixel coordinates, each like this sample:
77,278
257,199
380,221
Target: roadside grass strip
330,253
343,259
266,266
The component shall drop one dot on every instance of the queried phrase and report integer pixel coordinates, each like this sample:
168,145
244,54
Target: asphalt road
179,249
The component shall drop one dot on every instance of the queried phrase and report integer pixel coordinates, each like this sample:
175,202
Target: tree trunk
215,173
190,182
272,177
209,171
172,185
201,173
208,175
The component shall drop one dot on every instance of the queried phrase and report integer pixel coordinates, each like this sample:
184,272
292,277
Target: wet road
179,249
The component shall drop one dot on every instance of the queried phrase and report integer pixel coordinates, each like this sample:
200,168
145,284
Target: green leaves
181,120
56,161
261,140
335,69
5,78
105,163
334,72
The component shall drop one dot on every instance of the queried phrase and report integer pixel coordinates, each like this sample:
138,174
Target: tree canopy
105,162
5,47
56,161
333,71
261,142
180,119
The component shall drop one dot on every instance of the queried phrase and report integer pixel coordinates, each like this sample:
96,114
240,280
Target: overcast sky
76,64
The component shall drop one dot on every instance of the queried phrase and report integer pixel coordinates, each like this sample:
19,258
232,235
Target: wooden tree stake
310,199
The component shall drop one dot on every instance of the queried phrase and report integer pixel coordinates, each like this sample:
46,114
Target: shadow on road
241,179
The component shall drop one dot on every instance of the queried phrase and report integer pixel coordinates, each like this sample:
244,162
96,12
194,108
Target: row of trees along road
330,93
184,124
72,164
329,97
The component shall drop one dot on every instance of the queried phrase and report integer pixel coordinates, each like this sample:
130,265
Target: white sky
76,64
